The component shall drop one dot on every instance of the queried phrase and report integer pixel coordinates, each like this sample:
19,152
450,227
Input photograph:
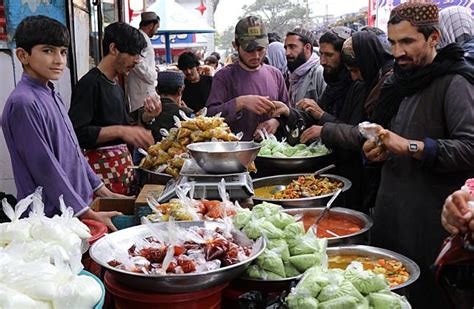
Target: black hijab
370,56
449,60
333,96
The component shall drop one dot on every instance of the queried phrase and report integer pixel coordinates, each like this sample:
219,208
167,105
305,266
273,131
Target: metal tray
101,253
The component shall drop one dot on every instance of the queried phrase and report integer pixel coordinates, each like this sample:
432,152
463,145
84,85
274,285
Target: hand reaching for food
281,109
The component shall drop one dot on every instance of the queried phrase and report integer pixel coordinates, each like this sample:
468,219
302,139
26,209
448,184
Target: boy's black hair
167,89
126,38
425,30
188,60
40,29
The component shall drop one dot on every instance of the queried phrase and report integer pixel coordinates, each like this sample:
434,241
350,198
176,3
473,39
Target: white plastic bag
82,292
12,299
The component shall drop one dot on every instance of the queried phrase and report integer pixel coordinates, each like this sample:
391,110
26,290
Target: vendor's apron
113,165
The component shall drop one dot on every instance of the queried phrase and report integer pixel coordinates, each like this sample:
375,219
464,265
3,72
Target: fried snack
184,132
199,129
190,125
161,158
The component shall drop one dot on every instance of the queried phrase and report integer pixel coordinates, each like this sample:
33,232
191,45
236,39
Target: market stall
212,236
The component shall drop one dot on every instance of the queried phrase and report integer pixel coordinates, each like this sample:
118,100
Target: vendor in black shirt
197,87
170,88
99,108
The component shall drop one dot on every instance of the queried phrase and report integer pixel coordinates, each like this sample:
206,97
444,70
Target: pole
168,48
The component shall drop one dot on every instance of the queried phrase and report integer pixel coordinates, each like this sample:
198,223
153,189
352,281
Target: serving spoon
279,188
328,206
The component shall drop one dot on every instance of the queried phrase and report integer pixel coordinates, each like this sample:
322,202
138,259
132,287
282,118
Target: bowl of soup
339,225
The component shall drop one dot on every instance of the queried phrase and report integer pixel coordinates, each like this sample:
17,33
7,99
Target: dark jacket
469,48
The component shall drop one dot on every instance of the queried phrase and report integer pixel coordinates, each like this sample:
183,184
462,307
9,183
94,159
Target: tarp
174,19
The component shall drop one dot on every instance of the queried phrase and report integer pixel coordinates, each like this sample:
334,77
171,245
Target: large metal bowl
101,252
271,166
379,253
224,157
305,202
360,238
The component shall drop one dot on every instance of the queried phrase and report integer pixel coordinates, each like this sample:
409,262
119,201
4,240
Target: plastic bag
81,292
367,129
17,229
12,299
37,279
68,220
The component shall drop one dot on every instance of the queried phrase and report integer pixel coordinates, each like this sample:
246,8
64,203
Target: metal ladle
328,206
279,188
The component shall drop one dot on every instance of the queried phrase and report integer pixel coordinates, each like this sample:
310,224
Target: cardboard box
124,205
141,199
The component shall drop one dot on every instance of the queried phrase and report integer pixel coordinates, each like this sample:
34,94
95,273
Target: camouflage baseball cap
250,33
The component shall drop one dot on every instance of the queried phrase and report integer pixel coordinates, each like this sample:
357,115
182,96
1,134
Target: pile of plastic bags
290,251
271,147
40,259
350,288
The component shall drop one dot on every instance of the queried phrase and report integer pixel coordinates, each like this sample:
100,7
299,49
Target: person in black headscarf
336,76
427,104
369,65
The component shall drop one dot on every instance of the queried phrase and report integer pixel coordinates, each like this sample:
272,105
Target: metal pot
305,202
224,157
360,238
379,253
101,252
270,166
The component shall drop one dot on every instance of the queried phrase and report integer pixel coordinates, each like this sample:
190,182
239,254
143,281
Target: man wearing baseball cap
243,92
141,81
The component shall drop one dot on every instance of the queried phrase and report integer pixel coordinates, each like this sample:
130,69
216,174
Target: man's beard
334,75
248,65
294,64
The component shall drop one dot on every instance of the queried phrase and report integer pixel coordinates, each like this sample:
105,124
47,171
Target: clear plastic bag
369,131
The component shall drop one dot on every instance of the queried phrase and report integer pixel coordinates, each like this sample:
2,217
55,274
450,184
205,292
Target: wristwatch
412,147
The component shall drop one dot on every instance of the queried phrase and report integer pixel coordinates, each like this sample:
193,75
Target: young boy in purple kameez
40,138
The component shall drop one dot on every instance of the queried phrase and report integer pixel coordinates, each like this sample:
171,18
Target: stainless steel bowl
365,222
379,253
224,157
101,252
270,166
305,202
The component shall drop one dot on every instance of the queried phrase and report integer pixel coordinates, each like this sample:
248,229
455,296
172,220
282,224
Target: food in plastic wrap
168,155
289,250
39,267
185,208
271,147
333,289
194,250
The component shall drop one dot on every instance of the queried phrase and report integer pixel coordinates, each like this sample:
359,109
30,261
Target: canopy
174,19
